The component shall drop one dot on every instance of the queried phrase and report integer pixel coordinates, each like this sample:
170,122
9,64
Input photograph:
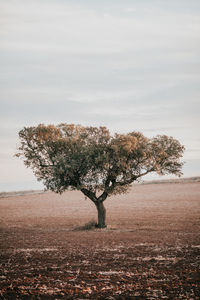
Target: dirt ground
150,249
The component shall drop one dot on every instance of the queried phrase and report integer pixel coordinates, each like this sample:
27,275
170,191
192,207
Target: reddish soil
150,250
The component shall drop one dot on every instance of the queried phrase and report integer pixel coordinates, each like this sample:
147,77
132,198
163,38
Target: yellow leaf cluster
125,143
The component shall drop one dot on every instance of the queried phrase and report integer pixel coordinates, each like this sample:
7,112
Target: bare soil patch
150,250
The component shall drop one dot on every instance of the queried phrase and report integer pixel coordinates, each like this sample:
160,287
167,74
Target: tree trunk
101,215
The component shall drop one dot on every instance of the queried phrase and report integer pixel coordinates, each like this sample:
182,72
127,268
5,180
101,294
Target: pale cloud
130,9
60,28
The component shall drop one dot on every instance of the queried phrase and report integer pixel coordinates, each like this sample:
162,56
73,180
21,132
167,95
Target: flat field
150,249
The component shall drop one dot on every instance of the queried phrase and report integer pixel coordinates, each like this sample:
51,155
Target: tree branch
145,173
108,188
134,177
46,166
89,194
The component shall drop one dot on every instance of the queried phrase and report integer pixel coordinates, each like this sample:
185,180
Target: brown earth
150,250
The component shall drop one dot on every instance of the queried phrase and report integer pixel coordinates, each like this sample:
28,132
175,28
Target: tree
91,160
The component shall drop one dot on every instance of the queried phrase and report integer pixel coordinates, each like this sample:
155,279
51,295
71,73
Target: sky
128,65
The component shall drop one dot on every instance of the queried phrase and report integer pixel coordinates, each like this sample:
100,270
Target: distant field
162,181
150,250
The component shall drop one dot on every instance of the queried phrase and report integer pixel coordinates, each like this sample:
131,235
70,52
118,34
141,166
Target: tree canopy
91,160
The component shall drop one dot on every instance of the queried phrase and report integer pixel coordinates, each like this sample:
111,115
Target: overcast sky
129,65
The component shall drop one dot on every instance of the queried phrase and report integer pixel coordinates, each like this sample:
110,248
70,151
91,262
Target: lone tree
94,162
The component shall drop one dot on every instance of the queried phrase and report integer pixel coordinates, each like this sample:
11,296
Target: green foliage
90,159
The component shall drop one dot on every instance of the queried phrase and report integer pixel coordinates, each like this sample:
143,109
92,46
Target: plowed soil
150,249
